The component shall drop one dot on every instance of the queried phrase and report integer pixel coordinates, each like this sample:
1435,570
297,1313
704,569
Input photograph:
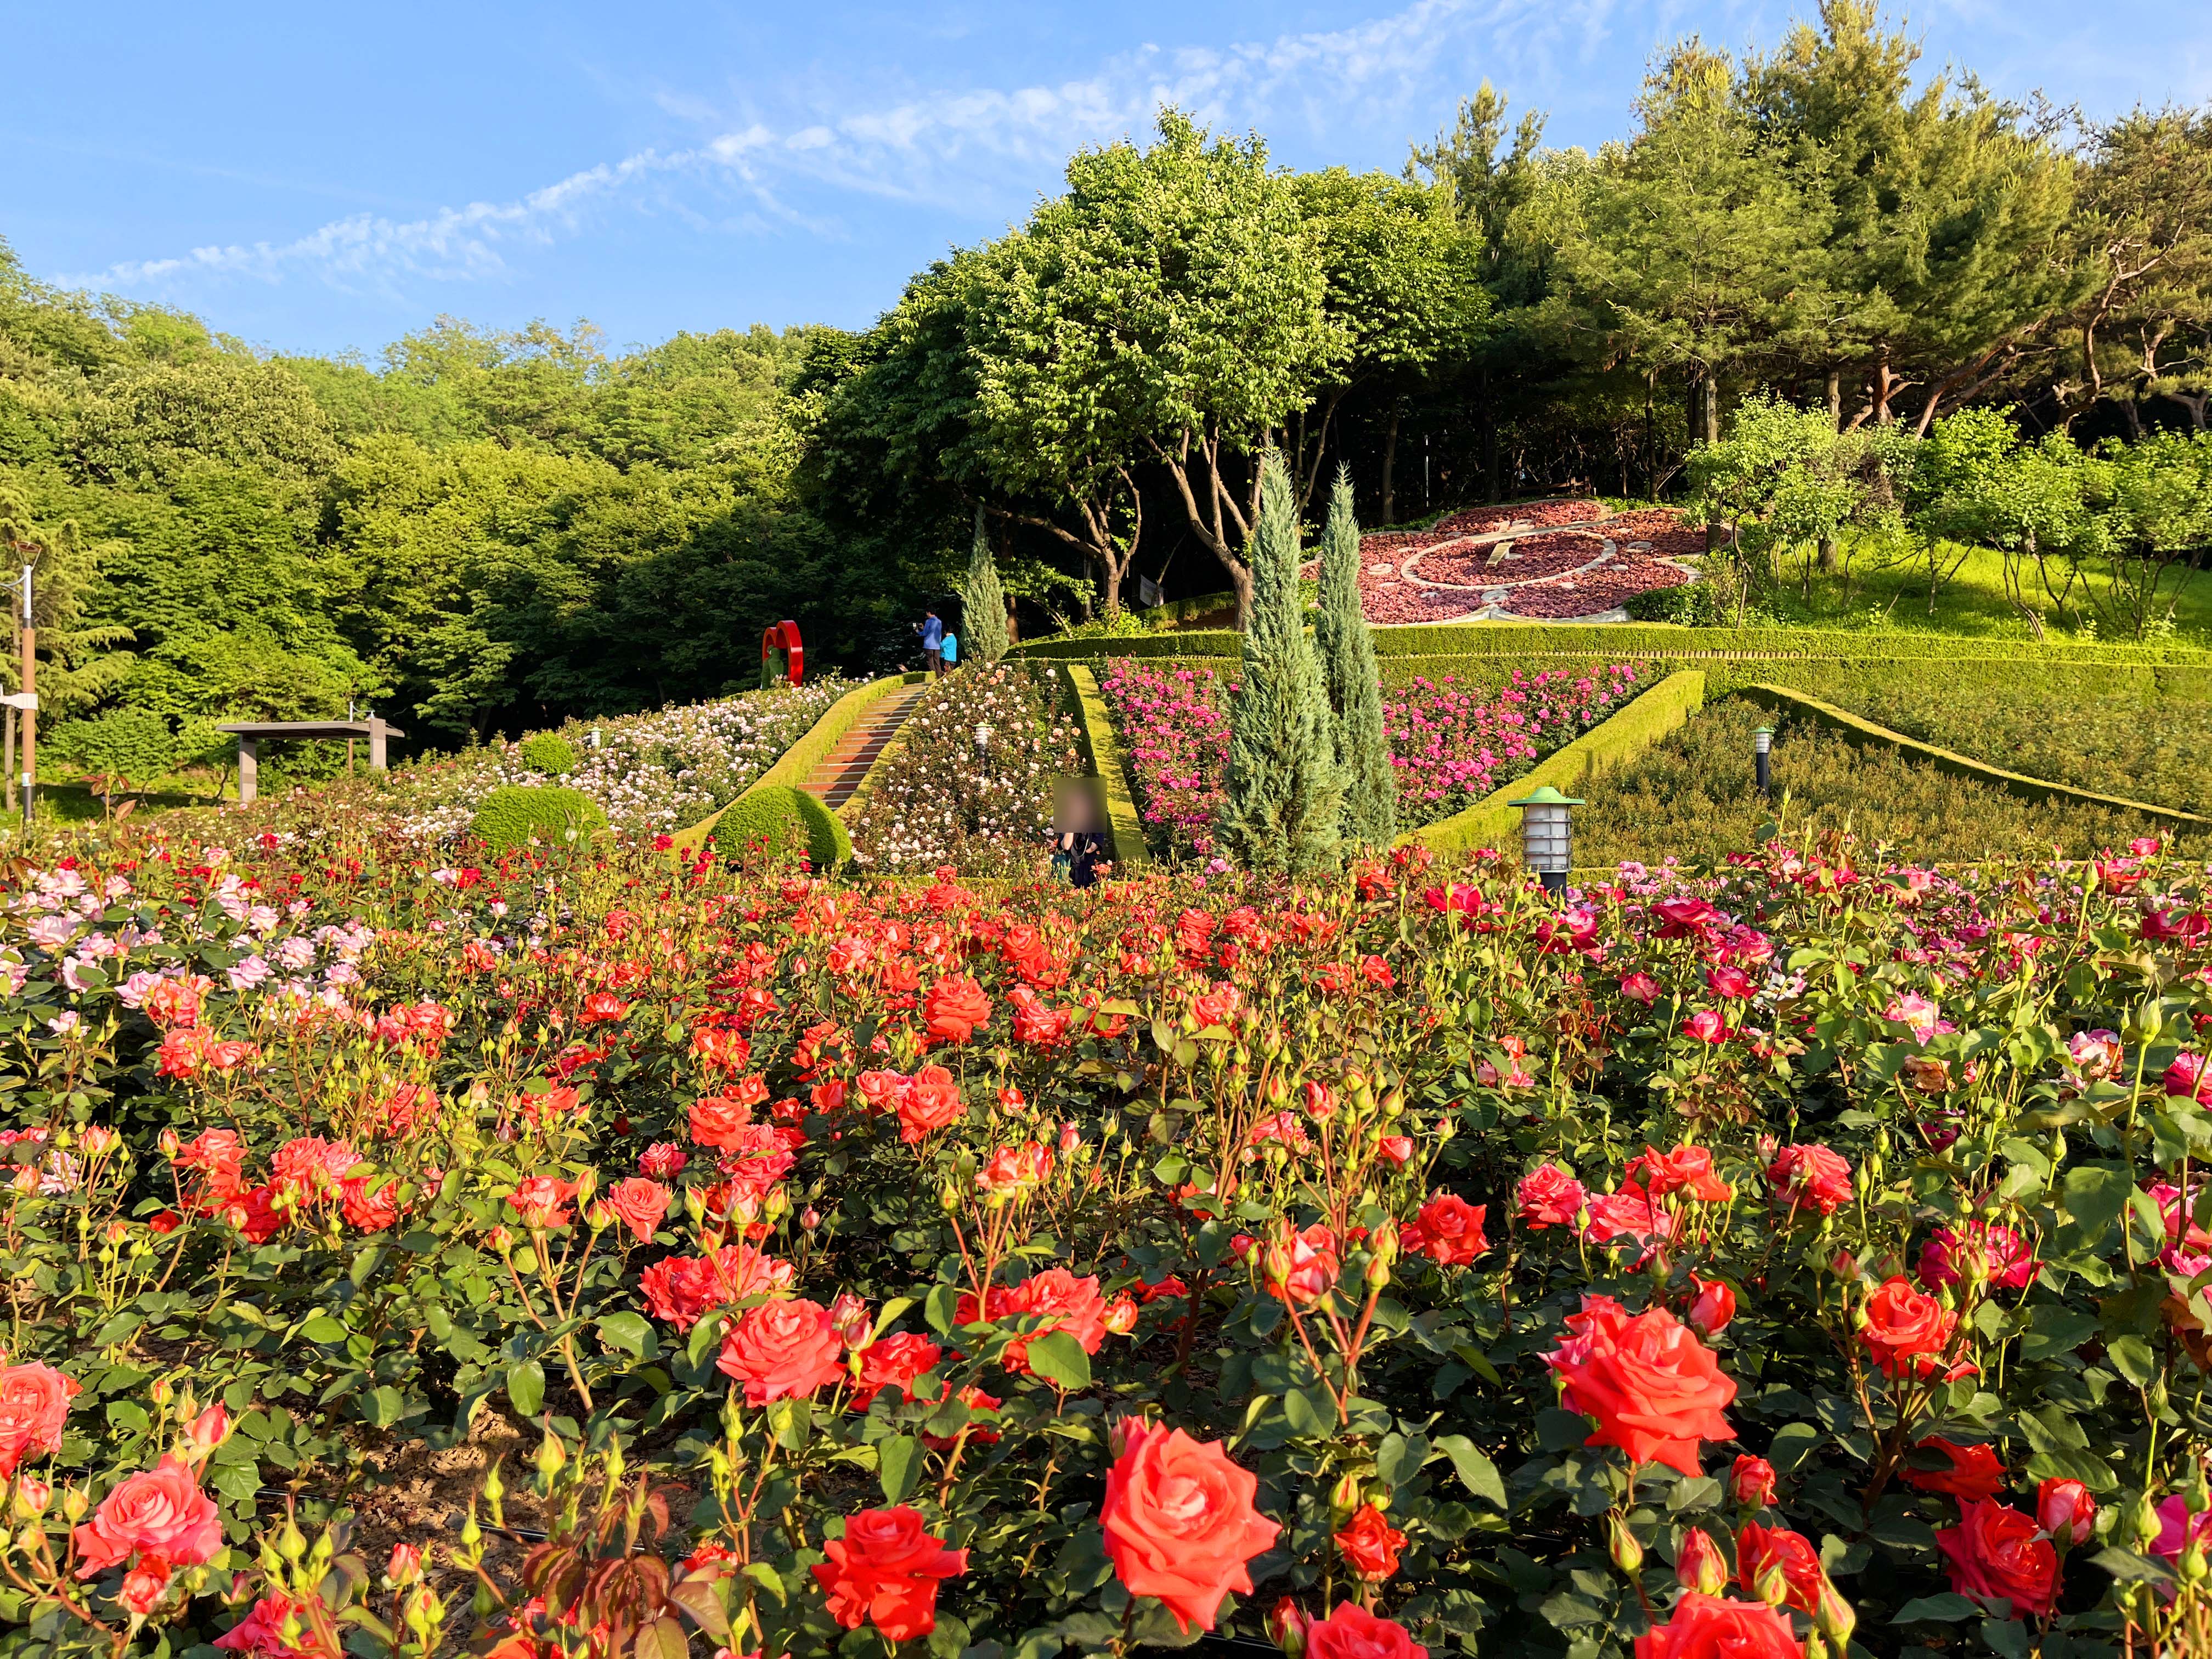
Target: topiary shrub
511,816
548,752
777,823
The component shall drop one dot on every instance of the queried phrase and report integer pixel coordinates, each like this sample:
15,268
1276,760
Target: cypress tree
1355,691
1281,807
982,604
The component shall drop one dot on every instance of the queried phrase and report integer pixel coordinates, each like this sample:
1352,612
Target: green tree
1346,651
1283,799
982,603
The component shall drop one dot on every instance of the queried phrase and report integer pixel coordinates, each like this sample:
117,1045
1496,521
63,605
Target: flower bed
1401,1262
938,796
1525,561
651,775
1450,742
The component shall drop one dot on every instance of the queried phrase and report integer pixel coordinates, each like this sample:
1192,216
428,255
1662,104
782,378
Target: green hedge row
1614,641
1612,743
1103,750
1860,730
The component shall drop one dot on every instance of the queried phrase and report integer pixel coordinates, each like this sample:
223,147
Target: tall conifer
1346,650
1284,797
982,604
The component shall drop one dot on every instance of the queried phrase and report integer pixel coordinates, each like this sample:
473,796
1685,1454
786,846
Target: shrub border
1498,638
1102,749
1858,729
1614,741
793,766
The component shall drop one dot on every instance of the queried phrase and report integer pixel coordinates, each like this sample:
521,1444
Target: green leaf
898,1464
941,1308
2094,1195
1307,1418
630,1332
1793,1444
1946,1608
2056,1331
1400,1457
323,1328
1059,1358
1475,1471
525,1386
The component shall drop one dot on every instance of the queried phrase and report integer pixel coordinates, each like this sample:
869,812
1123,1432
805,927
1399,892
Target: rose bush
1803,1257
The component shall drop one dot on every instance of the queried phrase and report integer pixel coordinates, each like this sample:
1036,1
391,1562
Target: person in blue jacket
948,656
931,629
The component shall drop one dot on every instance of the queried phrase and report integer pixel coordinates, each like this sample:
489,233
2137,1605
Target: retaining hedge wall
1101,748
1611,743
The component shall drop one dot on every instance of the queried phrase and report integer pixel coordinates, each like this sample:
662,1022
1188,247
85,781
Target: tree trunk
1390,467
1713,409
1827,552
1836,397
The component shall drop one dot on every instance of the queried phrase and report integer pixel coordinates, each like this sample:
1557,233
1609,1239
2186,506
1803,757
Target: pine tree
1346,650
982,604
1284,797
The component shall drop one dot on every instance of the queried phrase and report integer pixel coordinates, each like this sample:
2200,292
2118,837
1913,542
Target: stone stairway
839,772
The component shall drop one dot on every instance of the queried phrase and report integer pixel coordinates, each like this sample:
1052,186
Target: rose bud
1698,1563
32,1497
850,1319
170,1144
1070,1138
810,1218
1751,1482
210,1430
2065,1511
1010,1098
1714,1306
1627,1554
1122,1317
1287,1627
1770,1584
1117,1437
405,1565
1836,1618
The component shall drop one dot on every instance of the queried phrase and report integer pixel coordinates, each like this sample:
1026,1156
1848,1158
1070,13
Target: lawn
1691,798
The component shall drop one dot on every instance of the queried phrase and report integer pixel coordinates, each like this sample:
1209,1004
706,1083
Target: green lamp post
1547,834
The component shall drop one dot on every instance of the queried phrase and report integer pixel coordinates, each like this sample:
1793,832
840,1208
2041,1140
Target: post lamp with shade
1762,750
1547,834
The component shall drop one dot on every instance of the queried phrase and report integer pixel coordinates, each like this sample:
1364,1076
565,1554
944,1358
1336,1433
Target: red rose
1369,1545
34,1402
1699,1565
1813,1178
1352,1633
1303,1266
1751,1483
602,1006
1451,1230
1968,1471
892,1363
1653,1389
680,1290
781,1348
1180,1524
1707,1627
1779,1566
1905,1329
1640,988
256,1214
1712,1307
954,1008
718,1121
160,1512
1549,1196
929,1101
1686,1169
639,1204
1995,1552
1064,1302
368,1206
887,1568
2006,1259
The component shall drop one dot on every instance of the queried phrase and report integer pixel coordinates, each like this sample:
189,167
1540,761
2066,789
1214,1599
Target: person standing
931,629
948,656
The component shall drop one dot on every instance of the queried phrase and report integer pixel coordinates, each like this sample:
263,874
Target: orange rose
1905,1329
1654,1390
954,1008
34,1402
781,1348
1369,1545
161,1512
1707,1627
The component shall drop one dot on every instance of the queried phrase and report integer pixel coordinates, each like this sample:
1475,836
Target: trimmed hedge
1103,750
548,752
1945,760
771,821
1491,822
797,763
1618,640
511,815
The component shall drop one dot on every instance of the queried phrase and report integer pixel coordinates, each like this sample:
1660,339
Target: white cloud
956,149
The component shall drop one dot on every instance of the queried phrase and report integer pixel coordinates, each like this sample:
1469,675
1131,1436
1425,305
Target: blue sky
326,178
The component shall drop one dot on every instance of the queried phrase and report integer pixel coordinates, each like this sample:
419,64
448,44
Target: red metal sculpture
783,656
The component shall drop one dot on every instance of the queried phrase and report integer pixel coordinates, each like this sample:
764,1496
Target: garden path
839,773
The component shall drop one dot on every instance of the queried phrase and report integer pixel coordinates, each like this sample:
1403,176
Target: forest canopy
480,531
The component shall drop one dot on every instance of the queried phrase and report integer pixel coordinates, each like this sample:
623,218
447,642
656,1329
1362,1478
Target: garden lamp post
1547,834
982,738
1762,750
